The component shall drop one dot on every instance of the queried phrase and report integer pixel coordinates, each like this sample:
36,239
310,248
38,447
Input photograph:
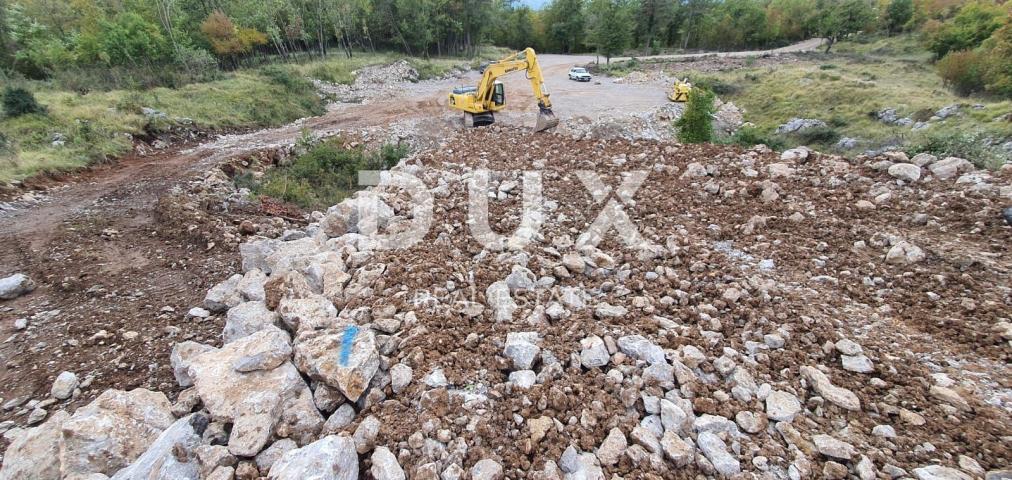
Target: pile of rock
735,339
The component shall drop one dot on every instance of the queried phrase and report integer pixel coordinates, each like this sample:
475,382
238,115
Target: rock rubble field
751,314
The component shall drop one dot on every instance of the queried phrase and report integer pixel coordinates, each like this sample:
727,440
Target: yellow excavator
479,103
680,91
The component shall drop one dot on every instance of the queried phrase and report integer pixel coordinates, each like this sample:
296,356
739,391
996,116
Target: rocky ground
789,315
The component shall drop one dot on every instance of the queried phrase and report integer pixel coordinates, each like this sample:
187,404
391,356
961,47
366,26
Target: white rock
64,386
837,395
794,155
15,286
246,319
254,422
365,434
522,348
904,253
950,167
833,448
385,466
400,377
330,458
716,452
857,363
90,445
486,469
677,450
594,353
498,298
523,379
224,295
938,472
782,406
640,348
222,388
265,459
171,456
345,358
907,172
612,448
35,452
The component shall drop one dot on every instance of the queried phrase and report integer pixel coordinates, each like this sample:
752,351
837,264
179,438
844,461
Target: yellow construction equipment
680,91
479,103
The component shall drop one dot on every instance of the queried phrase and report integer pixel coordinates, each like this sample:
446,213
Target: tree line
43,38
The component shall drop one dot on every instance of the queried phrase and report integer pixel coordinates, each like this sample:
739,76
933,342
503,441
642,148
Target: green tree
839,18
565,22
898,15
610,27
696,125
974,23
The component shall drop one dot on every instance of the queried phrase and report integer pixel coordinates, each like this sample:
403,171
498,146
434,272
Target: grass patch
324,175
96,127
971,146
845,89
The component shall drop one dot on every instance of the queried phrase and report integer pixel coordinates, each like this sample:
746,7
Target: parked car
579,74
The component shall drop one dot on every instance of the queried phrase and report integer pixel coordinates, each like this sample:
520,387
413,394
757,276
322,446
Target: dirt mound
663,311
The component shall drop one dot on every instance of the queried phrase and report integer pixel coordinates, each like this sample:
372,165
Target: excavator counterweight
480,103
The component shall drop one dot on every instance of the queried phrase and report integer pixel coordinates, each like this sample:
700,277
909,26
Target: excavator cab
498,94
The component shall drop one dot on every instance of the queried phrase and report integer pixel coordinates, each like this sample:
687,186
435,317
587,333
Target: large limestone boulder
112,431
950,167
330,458
245,319
35,453
345,358
252,365
182,354
171,456
224,295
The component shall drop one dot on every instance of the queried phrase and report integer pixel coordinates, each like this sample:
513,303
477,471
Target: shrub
975,147
962,72
818,136
751,136
324,175
715,85
695,125
19,101
283,76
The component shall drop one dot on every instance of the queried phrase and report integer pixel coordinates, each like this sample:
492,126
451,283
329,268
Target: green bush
285,77
324,175
695,125
817,136
962,71
19,101
751,136
974,147
715,85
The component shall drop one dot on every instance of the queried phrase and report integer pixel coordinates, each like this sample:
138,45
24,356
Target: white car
579,74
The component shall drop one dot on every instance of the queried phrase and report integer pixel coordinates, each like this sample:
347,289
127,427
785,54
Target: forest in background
102,44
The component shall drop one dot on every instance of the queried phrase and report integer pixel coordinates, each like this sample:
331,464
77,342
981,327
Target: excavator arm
488,97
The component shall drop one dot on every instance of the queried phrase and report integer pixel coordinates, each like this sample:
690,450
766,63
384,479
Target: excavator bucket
546,120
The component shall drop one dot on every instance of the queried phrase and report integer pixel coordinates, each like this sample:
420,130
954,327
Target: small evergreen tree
18,101
695,125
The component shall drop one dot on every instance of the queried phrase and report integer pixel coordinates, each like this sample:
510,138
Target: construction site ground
121,253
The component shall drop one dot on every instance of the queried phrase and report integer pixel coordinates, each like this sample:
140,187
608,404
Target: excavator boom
489,96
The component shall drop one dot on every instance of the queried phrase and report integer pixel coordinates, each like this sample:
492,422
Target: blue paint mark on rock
346,343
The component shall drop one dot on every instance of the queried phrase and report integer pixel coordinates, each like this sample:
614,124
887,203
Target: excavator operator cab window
498,94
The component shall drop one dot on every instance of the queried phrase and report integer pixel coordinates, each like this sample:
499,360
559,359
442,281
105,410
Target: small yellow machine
479,103
680,91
